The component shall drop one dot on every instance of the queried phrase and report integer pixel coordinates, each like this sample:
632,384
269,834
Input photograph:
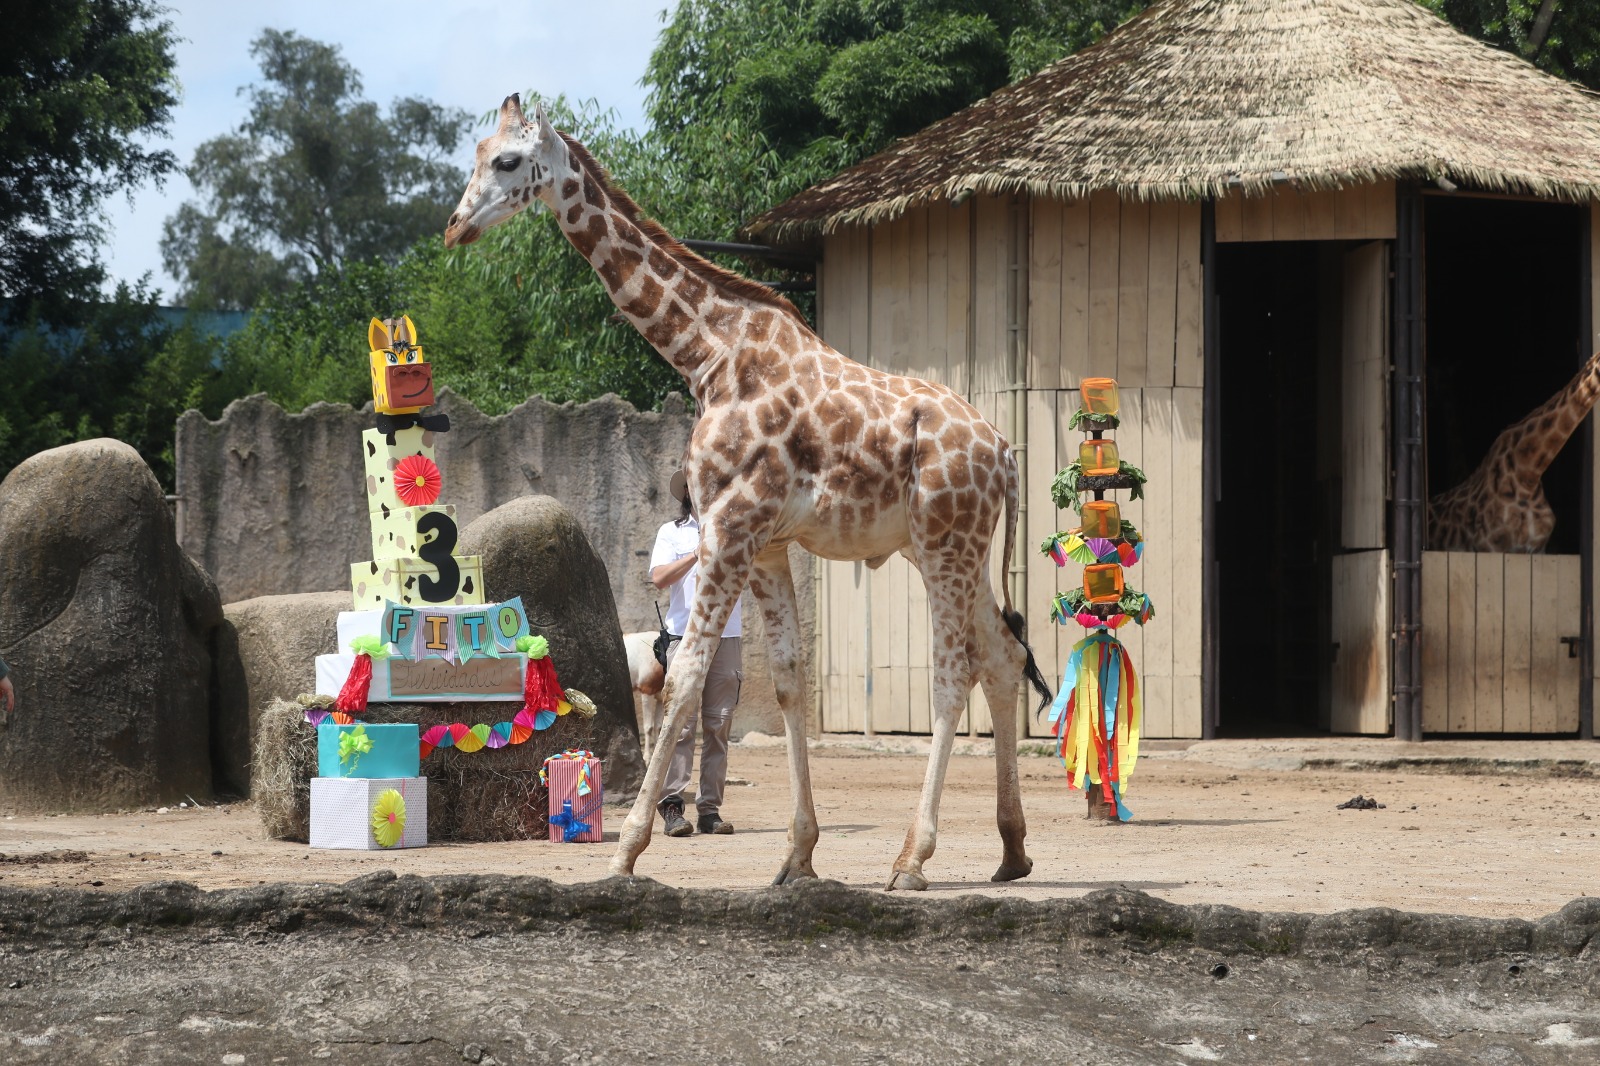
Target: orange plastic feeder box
1101,518
1102,583
1098,457
1099,395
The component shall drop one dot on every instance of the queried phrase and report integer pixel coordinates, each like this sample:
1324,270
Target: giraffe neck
688,308
1534,442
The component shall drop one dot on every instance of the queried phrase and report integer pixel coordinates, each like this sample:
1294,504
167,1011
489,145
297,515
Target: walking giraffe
795,444
1501,506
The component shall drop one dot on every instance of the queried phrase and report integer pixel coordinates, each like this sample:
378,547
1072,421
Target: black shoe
713,823
672,814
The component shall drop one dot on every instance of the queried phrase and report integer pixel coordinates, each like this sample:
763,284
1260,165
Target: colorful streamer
1097,717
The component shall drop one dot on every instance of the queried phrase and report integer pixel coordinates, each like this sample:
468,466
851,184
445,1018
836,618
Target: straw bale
485,795
1202,98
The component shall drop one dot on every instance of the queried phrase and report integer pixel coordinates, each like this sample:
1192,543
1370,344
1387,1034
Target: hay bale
483,796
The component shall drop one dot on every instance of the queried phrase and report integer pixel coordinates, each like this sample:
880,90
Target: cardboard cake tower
420,631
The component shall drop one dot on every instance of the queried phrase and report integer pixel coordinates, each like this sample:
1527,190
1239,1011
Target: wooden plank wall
1365,212
1115,291
1112,289
1492,657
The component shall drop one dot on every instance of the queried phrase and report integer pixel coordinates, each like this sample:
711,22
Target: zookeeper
672,565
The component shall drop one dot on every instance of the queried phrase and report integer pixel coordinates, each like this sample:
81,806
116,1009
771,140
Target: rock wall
271,503
111,633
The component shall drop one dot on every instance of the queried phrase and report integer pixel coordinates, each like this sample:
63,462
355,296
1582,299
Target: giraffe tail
1013,618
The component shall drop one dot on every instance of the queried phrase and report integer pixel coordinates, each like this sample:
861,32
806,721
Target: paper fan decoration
389,818
417,480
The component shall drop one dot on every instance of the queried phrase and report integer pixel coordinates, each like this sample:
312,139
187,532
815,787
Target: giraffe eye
508,162
391,357
411,355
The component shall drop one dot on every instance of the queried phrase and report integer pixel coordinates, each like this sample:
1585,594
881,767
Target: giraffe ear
546,132
511,113
377,335
411,330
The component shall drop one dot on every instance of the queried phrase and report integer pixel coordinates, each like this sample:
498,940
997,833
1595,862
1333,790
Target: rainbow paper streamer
1097,717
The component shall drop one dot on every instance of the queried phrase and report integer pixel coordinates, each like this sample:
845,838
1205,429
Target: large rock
533,547
109,629
274,643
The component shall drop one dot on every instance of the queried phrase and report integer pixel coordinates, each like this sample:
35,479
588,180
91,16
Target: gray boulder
110,631
533,547
271,644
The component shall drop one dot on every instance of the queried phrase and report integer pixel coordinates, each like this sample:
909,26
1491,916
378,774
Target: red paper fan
417,480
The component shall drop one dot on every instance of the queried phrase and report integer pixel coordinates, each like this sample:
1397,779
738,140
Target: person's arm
8,693
668,574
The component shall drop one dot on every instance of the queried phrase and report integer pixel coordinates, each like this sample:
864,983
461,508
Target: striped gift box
564,775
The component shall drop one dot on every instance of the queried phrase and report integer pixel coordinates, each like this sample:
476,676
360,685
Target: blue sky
467,55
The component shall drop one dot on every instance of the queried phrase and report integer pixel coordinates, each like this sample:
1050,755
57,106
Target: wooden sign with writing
480,678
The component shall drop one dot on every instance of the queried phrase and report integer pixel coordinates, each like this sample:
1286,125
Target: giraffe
1501,506
795,444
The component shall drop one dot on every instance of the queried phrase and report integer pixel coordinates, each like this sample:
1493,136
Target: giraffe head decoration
514,168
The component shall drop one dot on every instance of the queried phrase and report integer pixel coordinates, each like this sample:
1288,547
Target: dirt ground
1501,829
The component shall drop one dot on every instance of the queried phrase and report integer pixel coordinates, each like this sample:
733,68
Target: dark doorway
1277,518
1502,330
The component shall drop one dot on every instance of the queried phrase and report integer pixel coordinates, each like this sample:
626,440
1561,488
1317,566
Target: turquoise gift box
396,751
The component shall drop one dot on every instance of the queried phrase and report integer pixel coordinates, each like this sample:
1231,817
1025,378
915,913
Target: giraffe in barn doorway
1501,507
795,444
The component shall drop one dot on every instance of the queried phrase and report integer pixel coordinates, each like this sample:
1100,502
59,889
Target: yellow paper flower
563,707
389,818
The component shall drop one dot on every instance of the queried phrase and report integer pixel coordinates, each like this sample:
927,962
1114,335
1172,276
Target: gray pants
714,707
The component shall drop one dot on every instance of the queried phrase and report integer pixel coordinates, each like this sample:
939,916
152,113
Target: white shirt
673,542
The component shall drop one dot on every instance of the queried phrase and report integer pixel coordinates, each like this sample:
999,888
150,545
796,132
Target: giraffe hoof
1011,871
792,872
904,881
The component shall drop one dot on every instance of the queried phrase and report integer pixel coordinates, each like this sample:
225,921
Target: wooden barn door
1361,580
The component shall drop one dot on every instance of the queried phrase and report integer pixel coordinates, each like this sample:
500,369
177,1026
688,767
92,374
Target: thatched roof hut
1340,220
1202,98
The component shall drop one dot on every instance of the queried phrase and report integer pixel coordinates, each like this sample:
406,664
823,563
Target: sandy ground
1501,829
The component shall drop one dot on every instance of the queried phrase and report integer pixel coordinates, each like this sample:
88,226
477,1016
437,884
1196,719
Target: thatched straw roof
1200,98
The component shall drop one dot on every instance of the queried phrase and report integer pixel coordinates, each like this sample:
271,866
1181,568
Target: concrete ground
1493,829
1225,924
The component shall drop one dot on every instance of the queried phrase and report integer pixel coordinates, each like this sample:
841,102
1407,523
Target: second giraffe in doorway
1501,507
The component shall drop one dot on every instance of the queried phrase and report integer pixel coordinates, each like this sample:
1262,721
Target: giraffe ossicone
795,445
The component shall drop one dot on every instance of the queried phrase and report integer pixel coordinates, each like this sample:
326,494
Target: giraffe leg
688,675
714,600
952,680
773,586
1002,667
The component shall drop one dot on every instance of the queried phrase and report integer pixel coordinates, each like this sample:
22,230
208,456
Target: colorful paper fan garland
389,818
468,739
417,480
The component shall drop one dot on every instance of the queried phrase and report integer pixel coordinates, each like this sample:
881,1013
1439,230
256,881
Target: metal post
1405,451
1586,535
1211,483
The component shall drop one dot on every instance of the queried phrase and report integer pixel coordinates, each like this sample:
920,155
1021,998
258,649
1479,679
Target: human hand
8,694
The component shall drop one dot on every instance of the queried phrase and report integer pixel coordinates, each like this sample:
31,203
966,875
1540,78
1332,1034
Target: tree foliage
1571,48
83,84
315,177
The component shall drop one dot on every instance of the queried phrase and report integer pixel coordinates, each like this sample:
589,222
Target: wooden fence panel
1492,656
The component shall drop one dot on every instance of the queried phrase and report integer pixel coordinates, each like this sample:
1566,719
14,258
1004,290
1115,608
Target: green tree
315,177
72,382
1565,42
83,83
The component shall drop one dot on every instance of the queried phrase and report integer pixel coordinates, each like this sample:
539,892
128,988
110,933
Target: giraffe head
515,167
